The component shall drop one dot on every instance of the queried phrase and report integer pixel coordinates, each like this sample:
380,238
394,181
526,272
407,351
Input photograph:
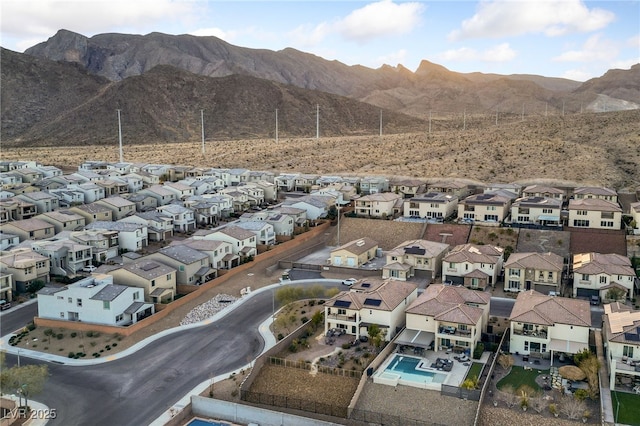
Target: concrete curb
4,341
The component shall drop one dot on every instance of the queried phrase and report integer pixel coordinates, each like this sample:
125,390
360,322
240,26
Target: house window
106,304
514,284
527,327
544,348
547,211
463,327
70,300
627,351
153,283
491,208
119,317
606,224
452,265
514,272
523,218
526,345
541,275
580,223
60,298
475,282
581,212
136,295
168,277
585,277
491,217
603,279
79,301
61,314
181,268
550,275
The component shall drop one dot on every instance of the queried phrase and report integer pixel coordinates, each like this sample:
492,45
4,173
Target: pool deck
453,377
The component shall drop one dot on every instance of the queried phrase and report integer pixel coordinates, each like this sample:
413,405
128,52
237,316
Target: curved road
136,389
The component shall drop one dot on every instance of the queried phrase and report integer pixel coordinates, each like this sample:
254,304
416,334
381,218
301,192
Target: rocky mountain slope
430,88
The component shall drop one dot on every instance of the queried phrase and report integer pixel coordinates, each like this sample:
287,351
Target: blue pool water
405,366
199,422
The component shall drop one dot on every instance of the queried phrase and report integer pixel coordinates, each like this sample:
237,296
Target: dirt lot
500,237
448,233
596,240
388,234
542,241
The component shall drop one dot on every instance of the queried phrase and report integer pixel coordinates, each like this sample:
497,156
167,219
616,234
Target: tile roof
536,201
116,201
390,293
536,308
595,190
381,197
422,248
622,323
434,197
541,189
183,254
539,261
474,254
358,247
450,303
598,263
236,232
148,269
594,204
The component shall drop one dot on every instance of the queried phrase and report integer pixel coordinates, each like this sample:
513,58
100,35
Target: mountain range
67,90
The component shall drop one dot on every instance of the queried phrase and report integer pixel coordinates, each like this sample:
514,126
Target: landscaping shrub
48,332
477,352
346,345
304,319
581,394
72,355
60,336
74,334
280,336
31,326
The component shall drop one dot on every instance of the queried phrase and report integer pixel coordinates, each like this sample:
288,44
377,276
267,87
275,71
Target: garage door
351,261
337,260
586,292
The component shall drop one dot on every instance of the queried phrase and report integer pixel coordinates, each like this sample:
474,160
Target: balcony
537,334
627,365
339,317
453,331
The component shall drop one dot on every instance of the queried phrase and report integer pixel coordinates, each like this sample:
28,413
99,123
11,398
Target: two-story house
64,220
621,333
379,205
104,244
17,209
541,272
546,326
182,217
594,213
155,278
94,300
30,229
407,188
131,236
537,211
181,190
220,252
26,266
488,209
316,206
304,182
92,212
243,242
371,301
159,225
193,267
43,201
432,205
459,189
601,193
474,266
67,257
143,202
415,258
120,207
355,253
6,287
263,230
446,318
544,192
163,195
597,274
91,191
285,181
373,185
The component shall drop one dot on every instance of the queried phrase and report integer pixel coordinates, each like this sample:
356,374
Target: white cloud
594,49
43,18
502,18
393,58
624,64
577,75
379,19
634,41
308,35
500,53
216,32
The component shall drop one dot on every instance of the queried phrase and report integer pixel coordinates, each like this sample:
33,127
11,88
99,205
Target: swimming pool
411,371
200,422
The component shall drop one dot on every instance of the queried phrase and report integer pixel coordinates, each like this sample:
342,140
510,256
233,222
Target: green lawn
629,408
519,376
475,370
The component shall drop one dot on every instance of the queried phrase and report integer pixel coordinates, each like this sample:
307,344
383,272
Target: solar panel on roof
372,302
342,303
414,250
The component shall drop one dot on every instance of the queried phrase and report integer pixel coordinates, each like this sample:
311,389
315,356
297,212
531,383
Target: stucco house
487,209
316,206
446,318
64,220
379,205
67,257
156,279
545,192
243,242
104,244
43,201
193,267
371,301
373,185
474,266
30,229
182,217
220,252
355,253
594,213
163,195
541,272
459,189
407,188
537,211
546,326
131,236
120,207
415,257
92,212
26,266
94,300
159,226
621,333
263,230
598,274
432,205
598,192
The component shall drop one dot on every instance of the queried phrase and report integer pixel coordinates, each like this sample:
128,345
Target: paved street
17,317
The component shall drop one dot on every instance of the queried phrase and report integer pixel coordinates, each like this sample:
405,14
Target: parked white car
89,268
349,282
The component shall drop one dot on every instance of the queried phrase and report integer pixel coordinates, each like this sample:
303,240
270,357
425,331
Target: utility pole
522,116
496,116
317,121
429,122
276,125
380,123
464,119
563,107
202,127
546,109
120,137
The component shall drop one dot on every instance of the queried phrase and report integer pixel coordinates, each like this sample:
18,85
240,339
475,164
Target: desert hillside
586,148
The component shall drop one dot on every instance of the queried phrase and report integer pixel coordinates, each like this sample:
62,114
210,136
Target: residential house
220,252
621,334
67,256
121,168
91,191
193,267
134,183
222,174
324,181
597,274
29,175
159,225
155,278
6,287
541,272
544,192
299,215
17,209
43,201
238,176
459,189
263,230
104,244
600,193
147,179
415,257
304,182
379,205
89,175
474,266
94,300
594,213
243,242
143,202
113,186
26,266
316,206
183,217
240,199
635,214
536,211
488,209
371,301
68,197
354,254
261,176
513,188
373,185
8,241
131,236
446,318
120,207
283,224
49,171
432,205
546,326
163,195
181,190
204,186
30,229
407,188
255,194
285,182
64,220
92,212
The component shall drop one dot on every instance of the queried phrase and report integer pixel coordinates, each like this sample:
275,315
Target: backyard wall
262,260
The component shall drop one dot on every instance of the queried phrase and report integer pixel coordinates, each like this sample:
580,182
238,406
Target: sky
574,39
